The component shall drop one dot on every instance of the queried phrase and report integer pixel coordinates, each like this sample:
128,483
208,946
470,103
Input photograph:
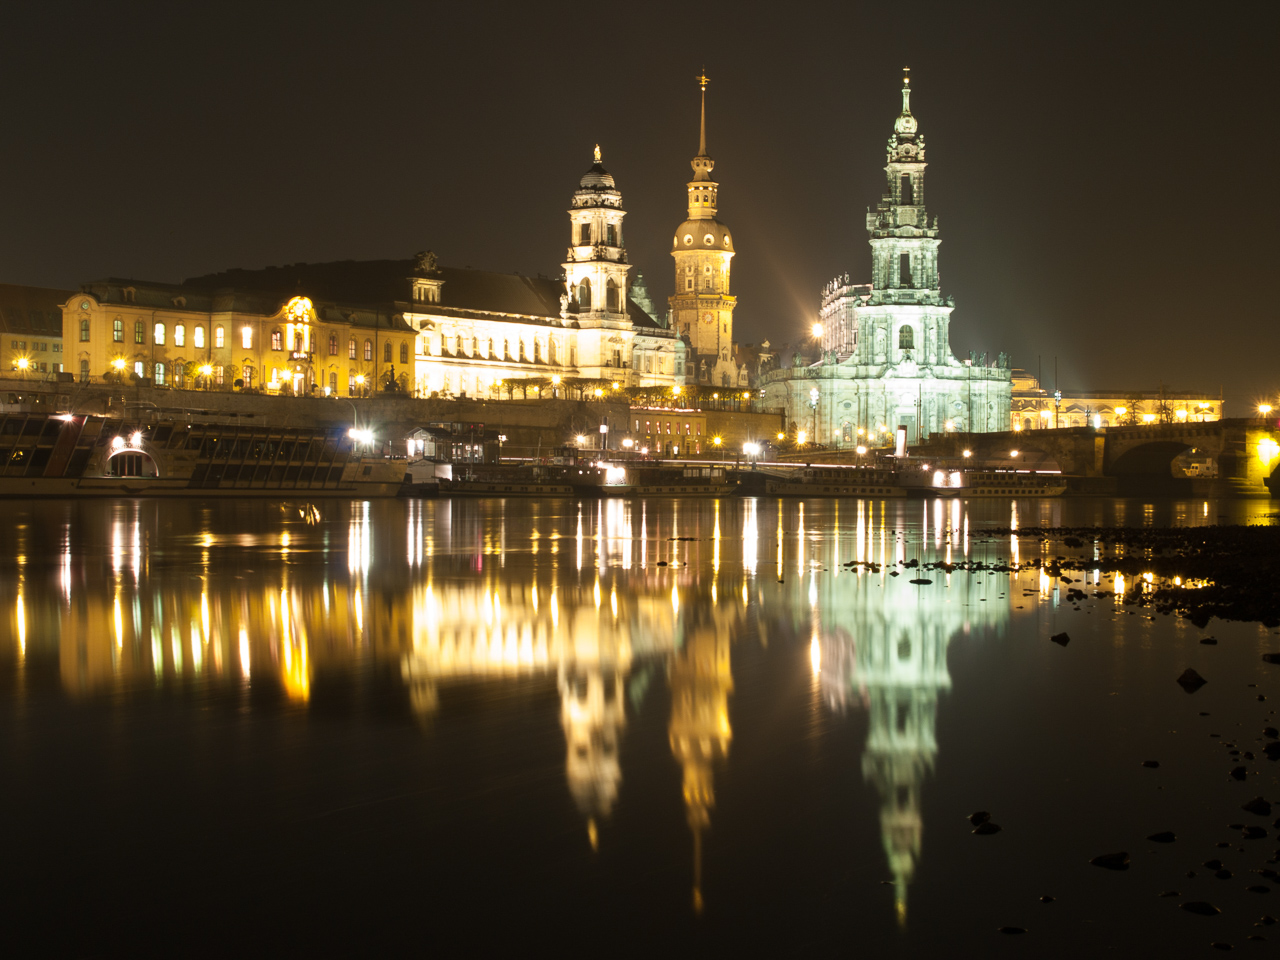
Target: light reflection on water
604,600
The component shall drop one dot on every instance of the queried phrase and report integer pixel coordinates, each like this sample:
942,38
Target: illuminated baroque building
887,357
1035,408
349,327
702,306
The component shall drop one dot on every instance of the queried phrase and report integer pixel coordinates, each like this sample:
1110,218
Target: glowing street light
968,453
581,439
716,440
861,449
1264,408
801,437
1013,453
817,331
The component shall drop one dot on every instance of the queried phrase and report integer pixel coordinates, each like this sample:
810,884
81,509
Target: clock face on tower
708,317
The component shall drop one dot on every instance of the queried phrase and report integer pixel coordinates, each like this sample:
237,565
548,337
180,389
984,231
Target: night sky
1105,175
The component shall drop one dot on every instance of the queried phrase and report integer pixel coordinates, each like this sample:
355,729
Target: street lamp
1265,409
207,372
813,406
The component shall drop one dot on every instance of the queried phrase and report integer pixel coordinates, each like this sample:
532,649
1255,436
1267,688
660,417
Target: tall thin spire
906,91
703,80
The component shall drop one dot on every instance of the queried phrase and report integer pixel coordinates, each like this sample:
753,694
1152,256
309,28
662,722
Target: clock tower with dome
702,307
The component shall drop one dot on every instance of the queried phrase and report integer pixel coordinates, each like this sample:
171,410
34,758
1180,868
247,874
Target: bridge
1246,453
1139,460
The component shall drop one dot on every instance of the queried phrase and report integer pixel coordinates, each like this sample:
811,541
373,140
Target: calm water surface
609,727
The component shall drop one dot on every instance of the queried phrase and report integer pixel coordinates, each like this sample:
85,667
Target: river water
612,727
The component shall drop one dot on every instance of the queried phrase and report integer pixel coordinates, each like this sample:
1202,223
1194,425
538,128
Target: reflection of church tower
702,308
593,713
899,665
700,733
903,671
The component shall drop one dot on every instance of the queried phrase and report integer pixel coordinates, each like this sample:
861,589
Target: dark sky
1105,175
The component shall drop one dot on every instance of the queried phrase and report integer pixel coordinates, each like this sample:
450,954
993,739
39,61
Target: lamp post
813,406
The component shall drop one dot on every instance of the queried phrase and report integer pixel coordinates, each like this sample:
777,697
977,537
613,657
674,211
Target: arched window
386,352
139,333
584,294
84,331
159,334
404,353
351,348
333,344
906,338
84,370
117,330
198,336
159,374
179,335
246,337
537,352
551,351
298,341
247,376
611,296
333,383
506,350
277,340
368,349
219,336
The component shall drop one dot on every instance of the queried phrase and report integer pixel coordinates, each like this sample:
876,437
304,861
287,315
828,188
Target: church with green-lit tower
886,349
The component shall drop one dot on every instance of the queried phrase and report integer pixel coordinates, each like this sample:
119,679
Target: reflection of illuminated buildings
701,682
884,642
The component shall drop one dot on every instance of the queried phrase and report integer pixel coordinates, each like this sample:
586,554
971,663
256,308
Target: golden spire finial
703,80
906,76
597,153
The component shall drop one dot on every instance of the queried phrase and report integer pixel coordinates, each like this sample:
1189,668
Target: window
688,284
537,352
368,349
333,344
197,337
386,352
247,376
611,297
139,332
904,270
584,294
84,331
707,284
159,374
84,371
159,334
219,338
611,235
552,352
333,380
351,348
139,369
906,338
218,372
584,234
246,337
506,350
117,330
179,335
908,193
277,340
404,353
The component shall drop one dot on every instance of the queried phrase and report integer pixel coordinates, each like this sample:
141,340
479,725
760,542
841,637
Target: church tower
904,249
596,265
702,307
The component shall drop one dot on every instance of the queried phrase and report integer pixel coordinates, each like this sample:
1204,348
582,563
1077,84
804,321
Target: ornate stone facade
887,359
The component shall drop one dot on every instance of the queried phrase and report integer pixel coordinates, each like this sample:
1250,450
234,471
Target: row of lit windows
456,344
43,366
246,339
36,347
690,430
164,375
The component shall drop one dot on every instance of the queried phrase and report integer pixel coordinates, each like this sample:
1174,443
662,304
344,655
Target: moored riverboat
93,456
